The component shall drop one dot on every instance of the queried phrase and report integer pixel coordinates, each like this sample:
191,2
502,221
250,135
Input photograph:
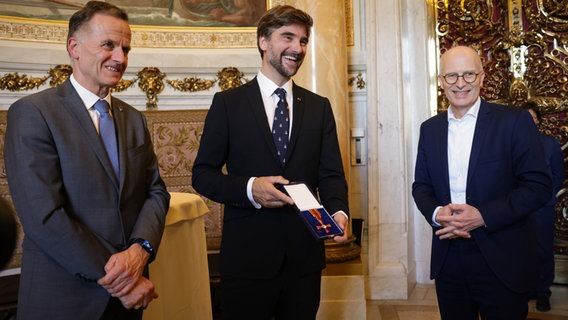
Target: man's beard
281,69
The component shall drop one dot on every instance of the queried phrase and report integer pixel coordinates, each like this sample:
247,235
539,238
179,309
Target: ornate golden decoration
358,80
526,39
124,84
230,77
42,30
15,82
349,24
151,82
59,74
191,84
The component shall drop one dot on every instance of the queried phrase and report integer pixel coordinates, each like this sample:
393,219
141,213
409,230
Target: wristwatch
146,246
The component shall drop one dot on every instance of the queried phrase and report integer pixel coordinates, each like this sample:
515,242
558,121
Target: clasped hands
458,220
267,195
124,279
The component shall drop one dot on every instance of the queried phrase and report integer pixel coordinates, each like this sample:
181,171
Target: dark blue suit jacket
555,164
507,180
237,136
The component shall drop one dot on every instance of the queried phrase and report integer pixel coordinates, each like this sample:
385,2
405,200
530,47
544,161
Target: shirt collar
267,86
87,96
472,112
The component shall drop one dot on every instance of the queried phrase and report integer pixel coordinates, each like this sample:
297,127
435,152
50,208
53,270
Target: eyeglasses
469,77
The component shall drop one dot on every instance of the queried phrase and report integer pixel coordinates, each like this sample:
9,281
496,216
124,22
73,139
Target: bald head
461,77
460,54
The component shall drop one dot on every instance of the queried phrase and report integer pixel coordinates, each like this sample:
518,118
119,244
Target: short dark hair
280,16
531,105
89,10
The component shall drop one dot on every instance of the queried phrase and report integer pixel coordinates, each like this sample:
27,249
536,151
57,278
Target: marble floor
422,305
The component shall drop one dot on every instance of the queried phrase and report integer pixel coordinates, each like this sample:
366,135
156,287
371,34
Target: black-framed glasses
468,77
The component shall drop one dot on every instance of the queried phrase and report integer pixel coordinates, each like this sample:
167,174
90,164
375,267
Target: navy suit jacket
555,164
74,211
507,181
236,134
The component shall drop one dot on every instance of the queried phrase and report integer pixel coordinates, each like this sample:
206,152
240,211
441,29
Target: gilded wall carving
524,49
525,40
150,80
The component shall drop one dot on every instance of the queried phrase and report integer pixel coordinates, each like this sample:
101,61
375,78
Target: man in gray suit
90,227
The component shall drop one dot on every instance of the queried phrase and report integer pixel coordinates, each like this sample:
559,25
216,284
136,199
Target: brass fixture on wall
230,77
358,80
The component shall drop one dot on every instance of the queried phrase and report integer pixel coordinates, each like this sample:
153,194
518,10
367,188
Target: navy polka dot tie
108,133
280,125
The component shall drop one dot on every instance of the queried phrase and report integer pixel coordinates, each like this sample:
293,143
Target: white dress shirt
270,100
460,140
89,100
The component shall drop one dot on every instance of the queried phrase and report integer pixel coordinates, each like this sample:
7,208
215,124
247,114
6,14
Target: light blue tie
280,125
108,133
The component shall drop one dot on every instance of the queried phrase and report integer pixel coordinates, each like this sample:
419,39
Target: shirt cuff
249,194
341,212
434,222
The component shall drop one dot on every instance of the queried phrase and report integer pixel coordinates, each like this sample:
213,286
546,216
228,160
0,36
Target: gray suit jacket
74,212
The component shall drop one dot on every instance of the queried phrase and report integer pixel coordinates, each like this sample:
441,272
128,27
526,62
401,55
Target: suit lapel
443,148
117,107
299,108
479,136
75,107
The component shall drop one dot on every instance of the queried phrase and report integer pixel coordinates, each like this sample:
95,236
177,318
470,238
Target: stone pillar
324,70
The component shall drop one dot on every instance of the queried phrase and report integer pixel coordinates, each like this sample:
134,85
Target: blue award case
316,218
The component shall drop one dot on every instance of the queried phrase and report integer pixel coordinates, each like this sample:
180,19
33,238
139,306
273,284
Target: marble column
324,70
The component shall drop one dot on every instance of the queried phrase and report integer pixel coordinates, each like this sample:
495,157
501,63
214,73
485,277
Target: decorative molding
53,31
358,81
349,25
150,80
15,82
230,77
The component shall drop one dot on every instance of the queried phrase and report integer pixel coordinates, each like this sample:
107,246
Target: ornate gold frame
38,30
23,29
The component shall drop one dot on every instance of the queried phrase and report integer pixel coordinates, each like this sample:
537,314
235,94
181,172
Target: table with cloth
180,272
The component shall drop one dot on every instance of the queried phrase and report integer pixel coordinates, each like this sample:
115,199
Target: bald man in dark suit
480,173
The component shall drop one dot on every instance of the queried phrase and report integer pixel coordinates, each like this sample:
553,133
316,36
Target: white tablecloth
180,272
